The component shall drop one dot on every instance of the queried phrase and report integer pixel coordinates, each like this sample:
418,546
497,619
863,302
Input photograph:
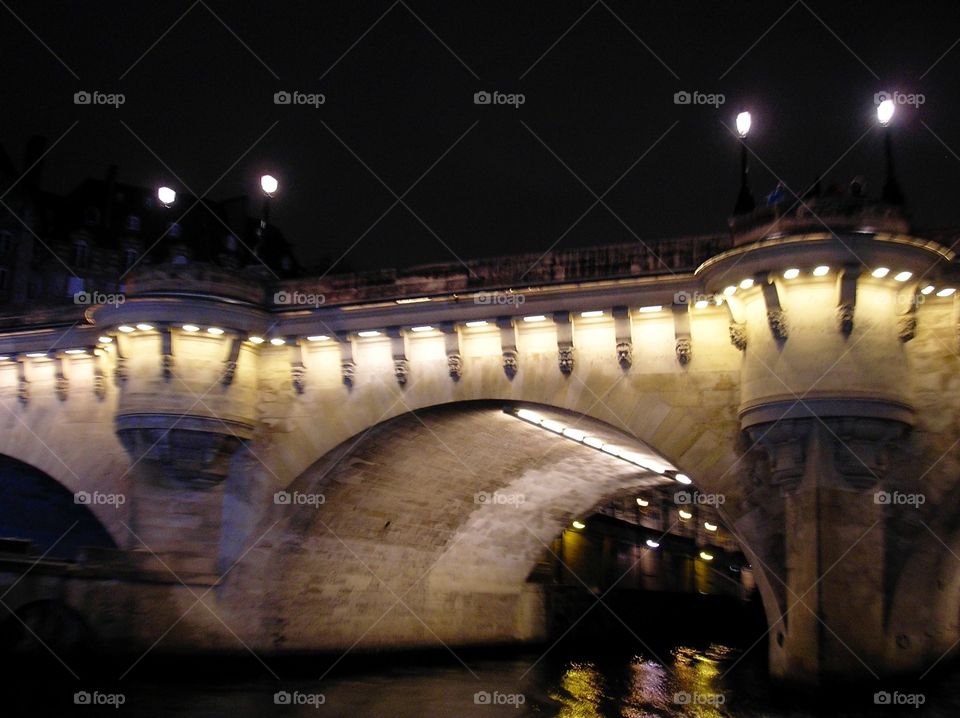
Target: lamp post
745,202
269,185
892,194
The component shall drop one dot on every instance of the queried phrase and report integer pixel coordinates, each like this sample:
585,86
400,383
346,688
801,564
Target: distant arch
36,507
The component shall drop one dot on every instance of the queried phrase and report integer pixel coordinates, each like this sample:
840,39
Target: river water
702,682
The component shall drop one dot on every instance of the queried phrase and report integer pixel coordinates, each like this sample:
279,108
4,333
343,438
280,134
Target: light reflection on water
693,687
682,682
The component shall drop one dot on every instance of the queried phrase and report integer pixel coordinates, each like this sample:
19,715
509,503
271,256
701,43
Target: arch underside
407,548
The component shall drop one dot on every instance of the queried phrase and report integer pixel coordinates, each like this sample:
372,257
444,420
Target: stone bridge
296,466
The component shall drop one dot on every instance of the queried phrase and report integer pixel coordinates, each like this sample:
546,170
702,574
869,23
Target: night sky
399,80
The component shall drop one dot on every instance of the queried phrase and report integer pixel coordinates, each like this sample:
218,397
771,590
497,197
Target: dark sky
402,95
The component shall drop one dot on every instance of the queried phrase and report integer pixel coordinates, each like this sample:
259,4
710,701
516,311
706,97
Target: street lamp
166,196
745,202
269,185
892,194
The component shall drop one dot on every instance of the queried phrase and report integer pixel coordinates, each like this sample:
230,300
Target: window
133,223
81,253
74,286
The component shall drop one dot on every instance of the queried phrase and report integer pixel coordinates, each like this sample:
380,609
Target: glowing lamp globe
885,112
269,184
166,196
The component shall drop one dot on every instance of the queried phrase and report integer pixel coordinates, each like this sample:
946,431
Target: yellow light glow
535,318
126,328
578,525
574,434
478,323
685,514
683,479
743,123
424,328
530,416
746,283
651,308
593,441
701,304
413,300
730,291
368,333
551,425
792,273
653,544
643,502
256,340
105,339
318,338
880,272
927,289
709,526
75,351
821,271
706,556
903,276
592,313
278,341
143,327
946,292
190,328
215,331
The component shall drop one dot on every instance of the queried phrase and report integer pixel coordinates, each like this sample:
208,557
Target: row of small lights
823,270
705,555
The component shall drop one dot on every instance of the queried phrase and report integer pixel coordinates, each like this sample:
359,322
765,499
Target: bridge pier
833,596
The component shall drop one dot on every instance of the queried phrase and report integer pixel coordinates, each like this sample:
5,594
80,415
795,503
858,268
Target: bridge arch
425,527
